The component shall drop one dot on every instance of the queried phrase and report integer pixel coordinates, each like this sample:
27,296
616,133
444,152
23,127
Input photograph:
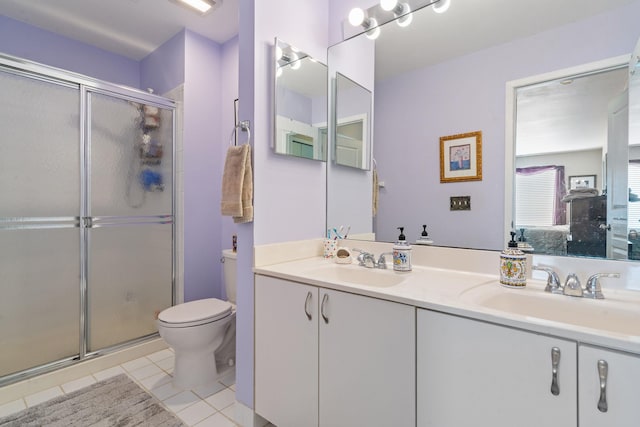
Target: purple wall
202,172
294,105
163,69
29,42
464,95
229,94
289,192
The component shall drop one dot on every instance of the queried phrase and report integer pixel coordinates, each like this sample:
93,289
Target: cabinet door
472,373
367,361
286,352
621,392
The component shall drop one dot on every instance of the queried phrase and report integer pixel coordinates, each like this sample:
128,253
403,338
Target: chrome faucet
593,288
572,286
553,281
368,260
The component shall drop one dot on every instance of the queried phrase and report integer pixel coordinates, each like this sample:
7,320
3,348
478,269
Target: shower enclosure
86,217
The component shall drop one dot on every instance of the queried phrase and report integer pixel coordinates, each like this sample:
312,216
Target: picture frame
461,157
582,181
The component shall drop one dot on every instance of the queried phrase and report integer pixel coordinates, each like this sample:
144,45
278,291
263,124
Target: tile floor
211,406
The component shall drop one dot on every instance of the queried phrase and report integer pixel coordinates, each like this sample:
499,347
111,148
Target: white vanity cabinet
472,373
330,358
286,352
620,395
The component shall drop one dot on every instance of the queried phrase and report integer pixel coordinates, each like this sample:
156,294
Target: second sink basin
358,275
616,315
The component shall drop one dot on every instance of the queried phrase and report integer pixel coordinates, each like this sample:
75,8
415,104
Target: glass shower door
39,221
130,218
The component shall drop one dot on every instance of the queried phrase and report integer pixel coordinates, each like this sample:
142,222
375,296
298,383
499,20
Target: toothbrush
347,233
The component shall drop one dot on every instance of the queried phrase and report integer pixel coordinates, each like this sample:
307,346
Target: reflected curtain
559,207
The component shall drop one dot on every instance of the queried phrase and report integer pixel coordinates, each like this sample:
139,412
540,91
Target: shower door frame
87,85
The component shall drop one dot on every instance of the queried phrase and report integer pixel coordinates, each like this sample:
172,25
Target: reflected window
539,193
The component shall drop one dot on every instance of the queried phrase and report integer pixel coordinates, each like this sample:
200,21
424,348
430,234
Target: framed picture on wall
582,181
461,157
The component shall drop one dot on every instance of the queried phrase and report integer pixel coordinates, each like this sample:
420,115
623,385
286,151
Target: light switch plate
460,203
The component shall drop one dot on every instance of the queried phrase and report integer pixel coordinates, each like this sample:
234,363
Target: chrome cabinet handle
555,362
325,298
603,369
306,305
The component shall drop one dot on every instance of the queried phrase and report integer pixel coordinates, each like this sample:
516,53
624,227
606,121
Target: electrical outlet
460,203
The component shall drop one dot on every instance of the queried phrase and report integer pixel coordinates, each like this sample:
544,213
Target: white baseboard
246,417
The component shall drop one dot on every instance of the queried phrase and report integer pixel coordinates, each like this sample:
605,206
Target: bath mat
116,401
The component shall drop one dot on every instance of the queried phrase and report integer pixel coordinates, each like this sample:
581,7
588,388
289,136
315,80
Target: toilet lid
195,312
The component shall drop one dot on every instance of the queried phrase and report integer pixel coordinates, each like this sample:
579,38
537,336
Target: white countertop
449,291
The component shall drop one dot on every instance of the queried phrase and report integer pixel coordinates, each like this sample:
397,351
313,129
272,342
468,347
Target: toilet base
194,369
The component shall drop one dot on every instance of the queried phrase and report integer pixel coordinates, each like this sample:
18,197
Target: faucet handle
572,286
593,288
382,260
553,281
363,256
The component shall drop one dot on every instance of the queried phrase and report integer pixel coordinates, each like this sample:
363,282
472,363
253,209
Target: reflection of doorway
560,119
350,142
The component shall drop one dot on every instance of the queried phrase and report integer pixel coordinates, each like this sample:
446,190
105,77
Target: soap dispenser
402,253
424,238
513,265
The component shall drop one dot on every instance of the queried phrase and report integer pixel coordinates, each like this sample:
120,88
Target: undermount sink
358,275
616,315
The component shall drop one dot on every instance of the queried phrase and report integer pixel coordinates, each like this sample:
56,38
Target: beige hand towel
247,191
237,184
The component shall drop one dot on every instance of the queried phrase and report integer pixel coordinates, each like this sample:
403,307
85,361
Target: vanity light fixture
401,11
358,18
441,6
286,58
200,6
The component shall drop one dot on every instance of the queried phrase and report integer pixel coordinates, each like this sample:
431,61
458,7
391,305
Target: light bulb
356,16
374,32
388,4
441,6
407,16
278,53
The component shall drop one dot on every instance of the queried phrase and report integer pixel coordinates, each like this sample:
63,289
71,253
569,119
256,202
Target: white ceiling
471,25
132,28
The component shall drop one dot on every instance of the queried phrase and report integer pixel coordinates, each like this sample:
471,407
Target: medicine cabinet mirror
353,124
300,119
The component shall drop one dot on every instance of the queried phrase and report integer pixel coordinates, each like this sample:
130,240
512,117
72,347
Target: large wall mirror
447,74
300,103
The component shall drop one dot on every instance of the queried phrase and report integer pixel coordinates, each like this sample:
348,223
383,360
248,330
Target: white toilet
202,333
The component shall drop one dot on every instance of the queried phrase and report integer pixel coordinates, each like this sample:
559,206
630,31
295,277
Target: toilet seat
195,313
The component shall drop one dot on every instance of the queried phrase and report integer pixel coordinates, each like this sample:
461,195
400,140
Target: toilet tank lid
205,309
229,253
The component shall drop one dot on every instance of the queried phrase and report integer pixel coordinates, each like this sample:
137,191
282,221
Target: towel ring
244,126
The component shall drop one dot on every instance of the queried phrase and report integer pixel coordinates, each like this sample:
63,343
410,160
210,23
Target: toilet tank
230,273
